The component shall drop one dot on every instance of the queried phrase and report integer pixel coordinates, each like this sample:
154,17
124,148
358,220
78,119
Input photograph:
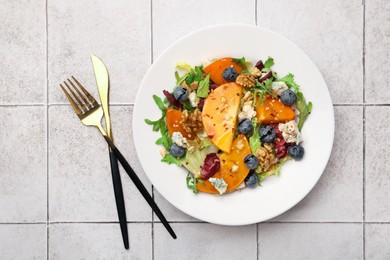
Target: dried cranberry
213,86
210,166
260,65
172,100
201,103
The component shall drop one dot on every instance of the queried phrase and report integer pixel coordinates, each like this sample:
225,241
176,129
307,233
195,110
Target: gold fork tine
71,101
81,95
81,106
93,101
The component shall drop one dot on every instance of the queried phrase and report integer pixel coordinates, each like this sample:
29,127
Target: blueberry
229,74
245,126
177,151
252,181
296,151
180,93
267,134
288,97
251,161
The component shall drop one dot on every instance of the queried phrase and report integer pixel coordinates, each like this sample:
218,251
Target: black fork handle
119,199
133,176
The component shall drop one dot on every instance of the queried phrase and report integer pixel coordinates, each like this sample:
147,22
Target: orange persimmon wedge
219,114
173,120
274,111
216,69
233,178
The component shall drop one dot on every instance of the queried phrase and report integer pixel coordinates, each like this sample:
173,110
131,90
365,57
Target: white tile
170,212
173,19
377,31
377,241
205,241
117,31
80,177
338,196
23,164
23,241
99,241
23,52
330,32
377,164
310,241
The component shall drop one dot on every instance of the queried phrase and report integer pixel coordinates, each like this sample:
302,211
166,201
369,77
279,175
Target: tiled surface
377,31
377,245
23,241
80,184
22,164
99,241
377,164
22,52
310,241
205,241
118,33
53,204
183,17
343,177
330,32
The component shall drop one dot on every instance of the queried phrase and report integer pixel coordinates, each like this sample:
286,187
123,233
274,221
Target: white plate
277,194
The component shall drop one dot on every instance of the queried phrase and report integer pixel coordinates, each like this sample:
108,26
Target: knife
102,81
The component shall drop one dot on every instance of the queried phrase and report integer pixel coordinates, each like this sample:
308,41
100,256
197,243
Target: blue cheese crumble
178,139
290,132
219,184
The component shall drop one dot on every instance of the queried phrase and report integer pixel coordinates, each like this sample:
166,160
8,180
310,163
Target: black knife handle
119,199
133,176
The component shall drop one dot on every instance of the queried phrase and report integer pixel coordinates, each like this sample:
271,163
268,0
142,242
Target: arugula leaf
168,158
241,62
184,66
192,182
275,171
289,80
262,89
304,109
254,140
194,75
203,88
187,106
160,125
179,79
159,103
269,62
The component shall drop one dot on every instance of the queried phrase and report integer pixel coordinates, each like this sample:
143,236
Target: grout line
364,51
257,241
364,182
24,223
364,128
47,133
256,12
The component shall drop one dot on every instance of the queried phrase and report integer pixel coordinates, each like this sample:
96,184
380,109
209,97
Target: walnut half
266,156
246,80
192,123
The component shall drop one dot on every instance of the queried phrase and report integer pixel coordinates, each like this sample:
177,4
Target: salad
230,124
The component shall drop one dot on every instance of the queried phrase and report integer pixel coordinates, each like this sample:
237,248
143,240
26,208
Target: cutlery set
90,113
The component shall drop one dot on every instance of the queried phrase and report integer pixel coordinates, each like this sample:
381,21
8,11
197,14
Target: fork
90,113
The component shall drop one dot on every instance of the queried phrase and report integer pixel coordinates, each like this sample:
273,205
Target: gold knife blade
102,81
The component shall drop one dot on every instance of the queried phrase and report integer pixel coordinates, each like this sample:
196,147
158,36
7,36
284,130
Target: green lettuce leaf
275,171
168,158
269,63
254,140
303,108
203,88
195,159
289,80
184,66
